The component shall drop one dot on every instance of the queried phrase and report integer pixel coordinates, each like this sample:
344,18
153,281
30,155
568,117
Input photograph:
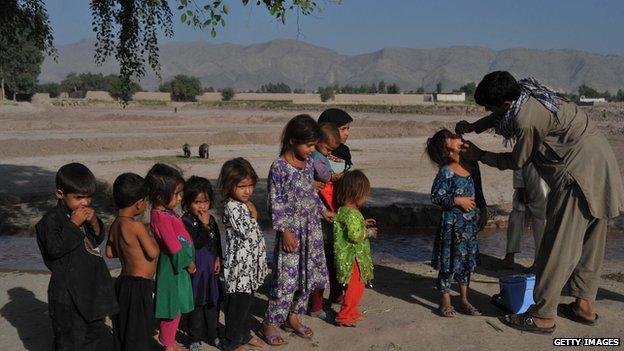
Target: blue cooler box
516,292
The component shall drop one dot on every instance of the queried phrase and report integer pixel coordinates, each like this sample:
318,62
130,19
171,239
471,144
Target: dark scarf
529,87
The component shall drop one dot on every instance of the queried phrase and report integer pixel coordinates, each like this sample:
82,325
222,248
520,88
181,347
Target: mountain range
302,65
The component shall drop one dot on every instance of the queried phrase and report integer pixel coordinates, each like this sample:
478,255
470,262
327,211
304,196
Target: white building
451,97
592,100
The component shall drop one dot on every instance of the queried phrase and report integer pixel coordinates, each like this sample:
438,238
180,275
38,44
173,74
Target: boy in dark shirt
80,293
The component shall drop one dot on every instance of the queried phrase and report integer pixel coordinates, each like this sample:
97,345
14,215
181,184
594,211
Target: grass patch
8,102
151,102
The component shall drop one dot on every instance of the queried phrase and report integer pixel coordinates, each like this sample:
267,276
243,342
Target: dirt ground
36,140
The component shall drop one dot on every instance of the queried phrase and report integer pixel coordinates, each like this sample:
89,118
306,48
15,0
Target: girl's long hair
301,129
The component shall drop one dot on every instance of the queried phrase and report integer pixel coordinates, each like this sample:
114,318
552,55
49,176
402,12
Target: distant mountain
302,65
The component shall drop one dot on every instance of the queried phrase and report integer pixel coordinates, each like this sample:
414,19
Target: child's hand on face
370,222
252,209
203,216
466,203
289,241
81,215
191,268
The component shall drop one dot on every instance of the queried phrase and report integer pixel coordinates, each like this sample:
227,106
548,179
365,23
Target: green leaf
226,9
183,18
213,32
184,2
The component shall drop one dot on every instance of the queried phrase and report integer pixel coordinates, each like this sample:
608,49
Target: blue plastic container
517,291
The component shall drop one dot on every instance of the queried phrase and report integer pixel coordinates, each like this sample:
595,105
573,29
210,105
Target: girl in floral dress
457,190
296,210
244,259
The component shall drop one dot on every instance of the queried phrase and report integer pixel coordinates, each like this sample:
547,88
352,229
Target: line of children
188,251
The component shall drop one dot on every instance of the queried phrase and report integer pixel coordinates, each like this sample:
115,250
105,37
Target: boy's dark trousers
237,318
73,332
203,322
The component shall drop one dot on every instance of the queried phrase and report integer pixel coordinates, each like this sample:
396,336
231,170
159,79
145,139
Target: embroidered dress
174,294
244,260
296,206
455,248
351,244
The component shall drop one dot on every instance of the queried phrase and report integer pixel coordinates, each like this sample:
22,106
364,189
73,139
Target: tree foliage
77,85
25,34
227,94
182,88
275,88
54,89
393,89
327,93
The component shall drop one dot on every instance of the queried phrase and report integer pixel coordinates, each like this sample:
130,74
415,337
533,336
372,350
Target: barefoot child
354,264
197,202
244,262
296,210
137,250
174,294
457,190
324,178
80,293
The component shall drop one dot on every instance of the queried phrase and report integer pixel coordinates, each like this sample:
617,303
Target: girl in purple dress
296,210
203,320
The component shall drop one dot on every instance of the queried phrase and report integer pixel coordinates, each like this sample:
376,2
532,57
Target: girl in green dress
354,264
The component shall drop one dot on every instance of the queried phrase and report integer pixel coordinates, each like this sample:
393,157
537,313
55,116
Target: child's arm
442,190
111,252
56,238
278,202
240,219
356,230
321,172
199,240
217,233
148,243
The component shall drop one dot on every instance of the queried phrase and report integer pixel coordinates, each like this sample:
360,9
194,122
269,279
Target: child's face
176,198
303,151
326,148
200,204
243,190
74,201
454,145
344,132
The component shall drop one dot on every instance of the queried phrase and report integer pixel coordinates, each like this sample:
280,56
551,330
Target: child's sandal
447,311
470,310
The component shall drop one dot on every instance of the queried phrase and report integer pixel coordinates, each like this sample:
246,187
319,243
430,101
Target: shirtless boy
137,250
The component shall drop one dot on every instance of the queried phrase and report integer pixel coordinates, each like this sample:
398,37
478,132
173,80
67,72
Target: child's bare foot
256,342
299,329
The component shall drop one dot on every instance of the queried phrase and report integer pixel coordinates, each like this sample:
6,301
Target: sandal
447,311
470,310
568,311
272,339
525,323
302,332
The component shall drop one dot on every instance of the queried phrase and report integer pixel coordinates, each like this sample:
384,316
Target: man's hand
466,203
464,127
471,152
289,241
319,186
252,209
217,266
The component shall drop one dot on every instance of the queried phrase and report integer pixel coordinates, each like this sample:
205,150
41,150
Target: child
341,156
197,202
80,293
457,190
244,262
296,212
137,250
354,264
325,177
174,294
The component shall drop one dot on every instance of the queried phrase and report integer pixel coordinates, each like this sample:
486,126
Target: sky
361,26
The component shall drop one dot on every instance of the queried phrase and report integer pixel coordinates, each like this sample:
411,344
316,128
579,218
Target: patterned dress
244,260
296,206
351,243
455,249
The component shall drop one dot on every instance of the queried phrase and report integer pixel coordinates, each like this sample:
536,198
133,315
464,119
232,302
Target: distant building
587,100
451,97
